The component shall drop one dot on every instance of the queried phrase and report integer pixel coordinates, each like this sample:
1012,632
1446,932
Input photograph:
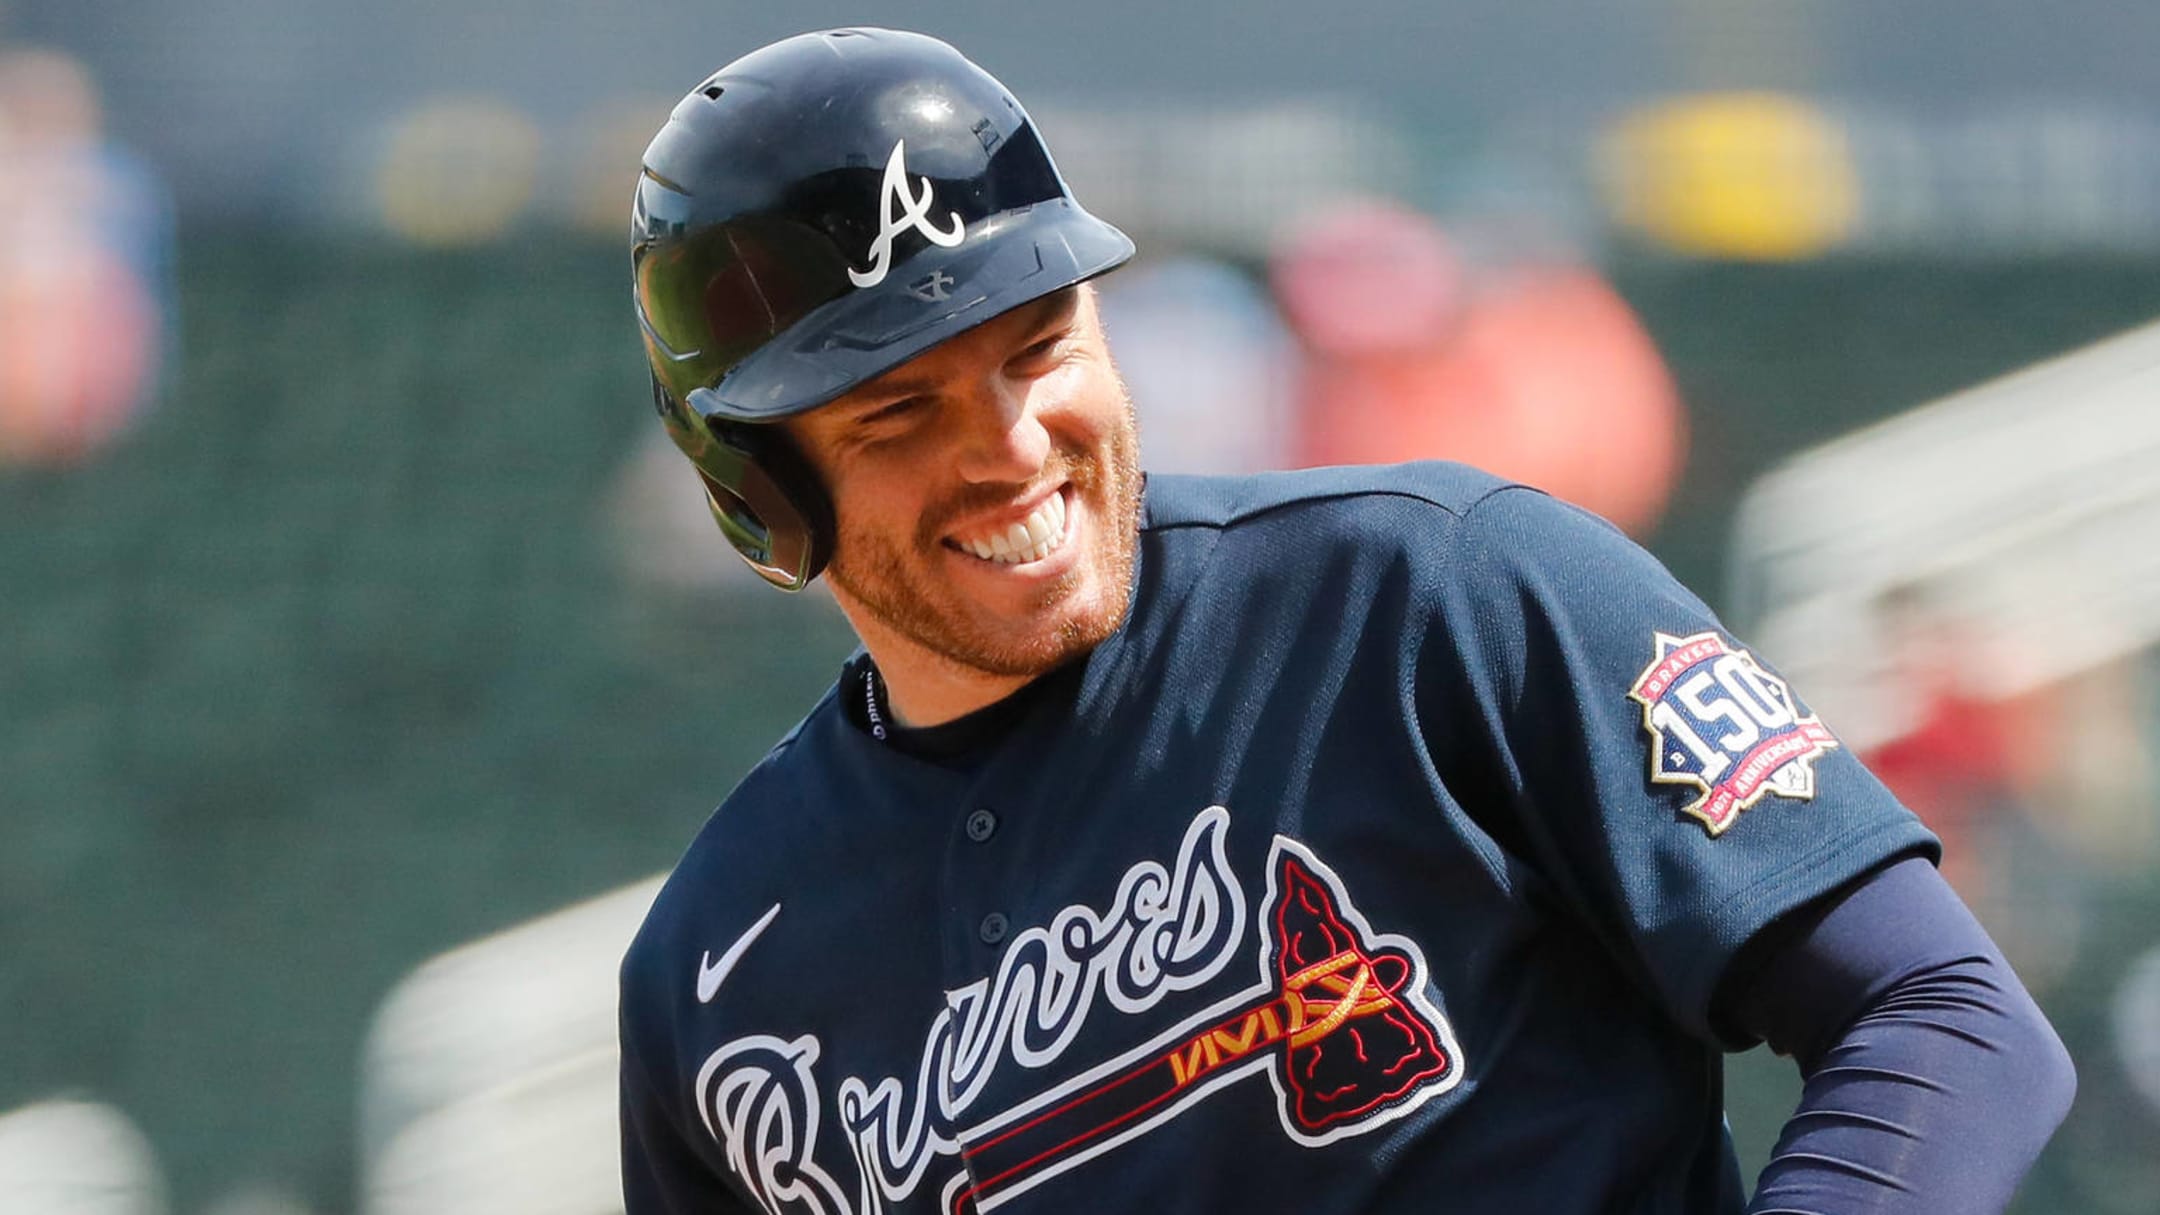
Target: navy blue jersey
1386,859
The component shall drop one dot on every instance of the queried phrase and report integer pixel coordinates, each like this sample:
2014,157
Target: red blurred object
1949,766
80,320
1540,374
76,335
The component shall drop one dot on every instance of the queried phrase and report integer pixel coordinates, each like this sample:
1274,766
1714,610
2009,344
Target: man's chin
981,619
1008,652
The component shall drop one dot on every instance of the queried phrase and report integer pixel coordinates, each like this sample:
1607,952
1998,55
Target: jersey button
993,928
981,825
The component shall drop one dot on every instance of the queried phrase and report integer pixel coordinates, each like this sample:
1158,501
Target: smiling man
1356,840
986,495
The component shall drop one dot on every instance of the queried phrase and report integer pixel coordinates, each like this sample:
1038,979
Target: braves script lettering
898,210
1346,1006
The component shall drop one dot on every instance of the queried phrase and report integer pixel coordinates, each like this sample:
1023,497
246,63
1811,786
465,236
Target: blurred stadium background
362,659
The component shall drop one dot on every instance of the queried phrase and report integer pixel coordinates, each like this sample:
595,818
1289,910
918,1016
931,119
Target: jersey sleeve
1665,782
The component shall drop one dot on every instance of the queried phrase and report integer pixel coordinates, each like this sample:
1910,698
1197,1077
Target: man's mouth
1031,539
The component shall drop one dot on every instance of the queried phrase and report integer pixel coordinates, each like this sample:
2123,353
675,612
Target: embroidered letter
898,210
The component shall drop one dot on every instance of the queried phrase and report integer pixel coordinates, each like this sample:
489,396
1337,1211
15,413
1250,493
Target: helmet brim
1006,261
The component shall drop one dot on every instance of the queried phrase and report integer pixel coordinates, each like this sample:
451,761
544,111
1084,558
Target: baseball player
1354,840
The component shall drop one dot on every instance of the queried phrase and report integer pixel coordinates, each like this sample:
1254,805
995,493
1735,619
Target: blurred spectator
1957,761
83,245
2037,795
1207,362
1539,373
2074,752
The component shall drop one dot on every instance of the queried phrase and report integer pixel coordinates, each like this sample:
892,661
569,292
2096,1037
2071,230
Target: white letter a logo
898,210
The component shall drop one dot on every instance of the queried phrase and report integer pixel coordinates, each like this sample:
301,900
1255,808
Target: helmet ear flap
761,491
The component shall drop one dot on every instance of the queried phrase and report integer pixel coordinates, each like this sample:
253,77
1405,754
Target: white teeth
1031,539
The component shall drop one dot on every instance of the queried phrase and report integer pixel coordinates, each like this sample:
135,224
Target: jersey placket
977,887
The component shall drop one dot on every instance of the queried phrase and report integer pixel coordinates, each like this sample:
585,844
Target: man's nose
1003,435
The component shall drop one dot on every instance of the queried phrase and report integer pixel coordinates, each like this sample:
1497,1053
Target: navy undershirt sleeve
1931,1078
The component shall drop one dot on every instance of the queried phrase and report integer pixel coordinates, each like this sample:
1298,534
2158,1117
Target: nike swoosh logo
712,973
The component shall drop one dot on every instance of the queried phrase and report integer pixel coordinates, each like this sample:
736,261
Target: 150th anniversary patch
1720,723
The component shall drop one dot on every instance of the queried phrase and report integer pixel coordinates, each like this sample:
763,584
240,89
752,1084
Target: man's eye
1041,355
893,411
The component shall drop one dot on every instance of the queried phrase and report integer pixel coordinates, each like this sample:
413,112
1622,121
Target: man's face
987,491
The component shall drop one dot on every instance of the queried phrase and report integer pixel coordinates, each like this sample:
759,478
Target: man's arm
1932,1079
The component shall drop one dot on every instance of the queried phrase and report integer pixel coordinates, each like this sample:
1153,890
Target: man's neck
933,693
922,687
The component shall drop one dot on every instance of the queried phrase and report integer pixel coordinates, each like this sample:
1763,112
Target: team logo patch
1721,724
899,209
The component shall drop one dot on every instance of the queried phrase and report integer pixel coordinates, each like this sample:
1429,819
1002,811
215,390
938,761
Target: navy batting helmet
814,214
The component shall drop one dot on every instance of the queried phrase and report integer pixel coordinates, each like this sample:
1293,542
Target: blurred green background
329,667
368,630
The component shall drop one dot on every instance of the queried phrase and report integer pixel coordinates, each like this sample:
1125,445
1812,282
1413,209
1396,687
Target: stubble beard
904,597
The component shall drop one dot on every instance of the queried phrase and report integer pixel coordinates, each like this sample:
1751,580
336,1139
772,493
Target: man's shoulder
1179,501
731,840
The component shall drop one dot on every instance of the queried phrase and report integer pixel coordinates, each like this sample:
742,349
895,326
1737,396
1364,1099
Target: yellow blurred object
1750,176
458,171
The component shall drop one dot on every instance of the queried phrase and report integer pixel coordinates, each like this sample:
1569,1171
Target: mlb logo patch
1718,722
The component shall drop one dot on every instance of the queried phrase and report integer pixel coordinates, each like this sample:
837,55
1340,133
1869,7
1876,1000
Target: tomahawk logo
1339,1022
900,209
